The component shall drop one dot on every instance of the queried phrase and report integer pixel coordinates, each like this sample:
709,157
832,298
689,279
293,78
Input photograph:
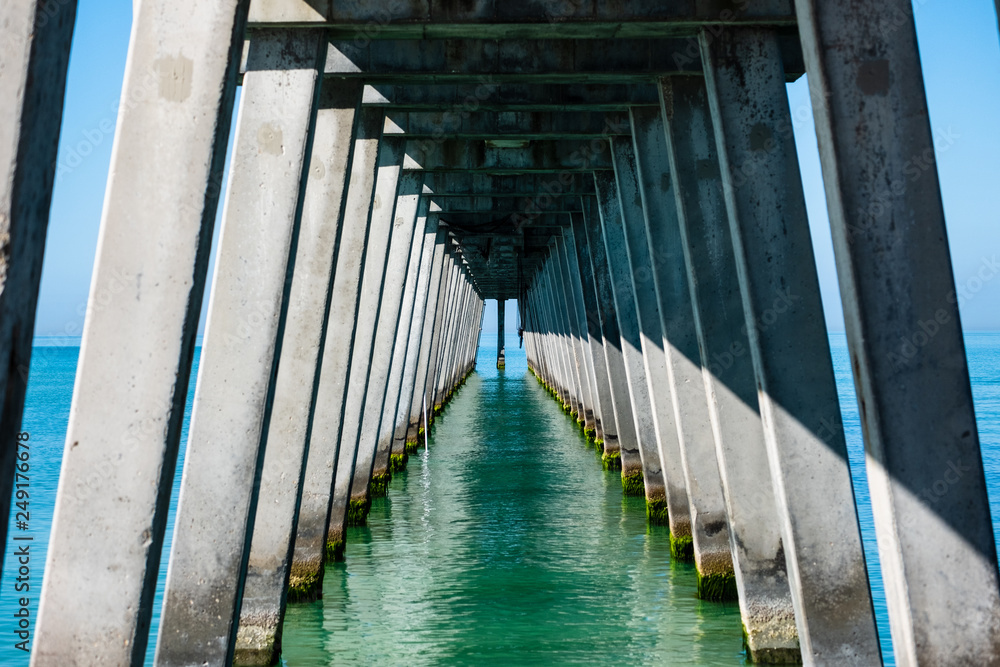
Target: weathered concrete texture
610,213
418,347
696,443
403,223
789,346
311,542
604,417
376,254
242,346
754,533
269,566
393,411
650,334
135,358
34,50
925,472
591,401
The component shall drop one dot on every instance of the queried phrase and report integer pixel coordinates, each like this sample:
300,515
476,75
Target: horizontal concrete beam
493,96
506,125
518,185
525,204
516,60
543,156
484,223
414,19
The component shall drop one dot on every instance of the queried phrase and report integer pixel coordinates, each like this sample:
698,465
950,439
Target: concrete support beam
696,442
400,385
242,347
501,314
258,641
421,358
591,411
34,50
583,408
312,545
729,384
350,506
788,343
647,337
485,95
605,426
135,359
610,214
583,18
925,468
559,156
506,125
403,224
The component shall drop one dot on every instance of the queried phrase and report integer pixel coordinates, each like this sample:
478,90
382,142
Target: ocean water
504,541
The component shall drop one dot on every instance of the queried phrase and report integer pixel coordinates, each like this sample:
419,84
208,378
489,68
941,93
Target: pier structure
628,173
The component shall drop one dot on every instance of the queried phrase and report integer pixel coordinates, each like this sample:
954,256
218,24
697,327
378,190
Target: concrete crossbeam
506,125
488,95
456,155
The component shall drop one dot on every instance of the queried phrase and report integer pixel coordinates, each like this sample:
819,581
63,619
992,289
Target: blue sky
961,60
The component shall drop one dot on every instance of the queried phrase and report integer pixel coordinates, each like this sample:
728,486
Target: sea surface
504,541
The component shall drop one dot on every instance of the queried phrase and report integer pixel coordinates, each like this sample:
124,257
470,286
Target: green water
506,543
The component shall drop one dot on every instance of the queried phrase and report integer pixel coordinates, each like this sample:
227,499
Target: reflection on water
506,542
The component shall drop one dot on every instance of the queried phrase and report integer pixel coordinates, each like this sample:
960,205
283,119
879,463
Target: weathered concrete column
789,346
696,443
568,307
135,359
35,51
312,545
437,389
729,384
347,509
394,415
442,317
573,313
242,347
258,641
925,469
422,403
605,417
592,408
414,396
404,222
628,437
500,333
649,332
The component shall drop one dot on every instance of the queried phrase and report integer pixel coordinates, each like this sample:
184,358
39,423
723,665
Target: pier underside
626,173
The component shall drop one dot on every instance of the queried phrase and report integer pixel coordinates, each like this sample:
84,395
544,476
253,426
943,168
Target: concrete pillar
258,640
242,346
568,308
696,442
628,437
500,332
394,415
404,222
349,508
789,346
925,468
605,417
423,401
646,330
592,411
135,359
35,52
421,358
437,389
729,383
311,541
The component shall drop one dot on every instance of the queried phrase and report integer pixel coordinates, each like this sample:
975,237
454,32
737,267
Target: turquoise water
505,542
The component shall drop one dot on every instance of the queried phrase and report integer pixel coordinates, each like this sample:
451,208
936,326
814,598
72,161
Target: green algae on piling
334,552
305,587
656,512
681,548
717,587
611,460
357,512
397,462
378,487
632,483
